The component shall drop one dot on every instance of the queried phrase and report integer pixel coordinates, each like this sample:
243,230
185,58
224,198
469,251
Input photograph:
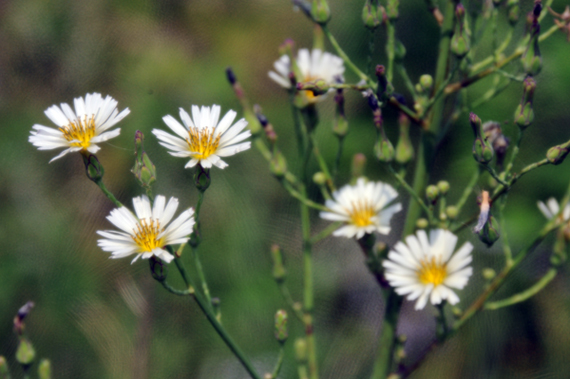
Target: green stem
515,152
526,294
289,300
195,255
390,49
300,132
175,291
469,189
299,196
322,163
494,174
337,158
407,81
504,237
206,309
345,57
109,194
279,363
326,232
384,357
412,193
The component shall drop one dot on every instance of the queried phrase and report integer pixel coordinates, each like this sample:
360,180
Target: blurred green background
101,318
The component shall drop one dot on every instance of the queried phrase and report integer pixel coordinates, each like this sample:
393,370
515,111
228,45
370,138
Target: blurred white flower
202,138
146,234
425,269
551,209
79,130
312,66
362,208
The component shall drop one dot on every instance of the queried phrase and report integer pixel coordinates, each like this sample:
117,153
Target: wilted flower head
202,138
362,208
551,209
427,269
79,130
146,234
312,66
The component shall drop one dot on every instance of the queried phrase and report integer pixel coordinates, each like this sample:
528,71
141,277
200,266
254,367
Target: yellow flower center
310,95
146,235
202,142
80,130
361,213
432,271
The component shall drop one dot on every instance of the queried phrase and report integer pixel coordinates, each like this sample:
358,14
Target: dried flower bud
497,139
557,154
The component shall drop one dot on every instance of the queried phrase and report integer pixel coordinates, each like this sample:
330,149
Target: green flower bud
422,223
557,154
278,165
404,147
93,169
451,212
489,234
482,149
25,354
399,51
202,178
318,87
443,187
460,41
358,165
488,273
426,83
281,333
432,194
144,169
384,150
4,371
301,350
531,58
371,14
513,8
319,178
392,9
158,268
279,272
320,12
44,369
340,127
524,114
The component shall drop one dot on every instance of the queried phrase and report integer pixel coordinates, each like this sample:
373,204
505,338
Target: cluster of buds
372,14
460,42
524,114
497,139
423,88
482,149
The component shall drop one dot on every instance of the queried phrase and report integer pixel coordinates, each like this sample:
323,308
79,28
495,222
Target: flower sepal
93,168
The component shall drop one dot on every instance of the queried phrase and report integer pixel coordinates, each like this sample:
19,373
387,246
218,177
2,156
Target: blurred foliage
101,318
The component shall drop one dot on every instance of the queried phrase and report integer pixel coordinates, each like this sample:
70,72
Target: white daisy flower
361,207
146,234
425,269
203,138
80,130
312,65
551,209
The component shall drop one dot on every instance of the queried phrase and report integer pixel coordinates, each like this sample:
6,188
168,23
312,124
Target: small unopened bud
44,369
524,114
320,12
144,170
319,178
557,154
358,165
443,187
25,354
202,178
513,7
422,223
482,150
432,194
340,127
4,370
488,273
497,139
460,41
266,125
392,9
278,165
384,150
371,14
301,350
531,58
279,272
404,147
384,87
426,83
451,212
399,51
93,169
158,269
490,232
281,332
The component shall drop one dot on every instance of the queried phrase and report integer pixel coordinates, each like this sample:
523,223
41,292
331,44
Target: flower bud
320,12
399,51
144,169
202,178
279,272
524,114
158,269
460,41
513,9
25,354
301,350
557,154
432,194
489,234
358,165
422,223
4,371
426,83
21,315
451,212
318,87
482,150
340,127
443,187
319,178
44,369
266,125
384,150
278,165
281,333
531,58
404,147
371,14
488,273
497,139
384,87
392,9
93,169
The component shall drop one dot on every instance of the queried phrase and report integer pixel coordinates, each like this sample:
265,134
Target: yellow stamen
203,142
80,130
361,213
432,271
146,235
310,95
